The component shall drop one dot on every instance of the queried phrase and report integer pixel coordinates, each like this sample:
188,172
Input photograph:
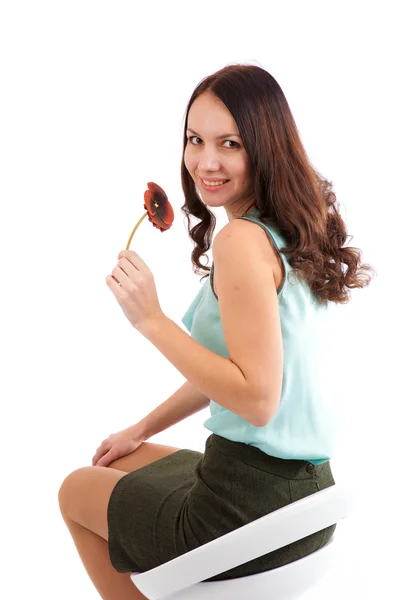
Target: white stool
183,577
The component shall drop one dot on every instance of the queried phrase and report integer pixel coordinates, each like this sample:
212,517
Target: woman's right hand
116,446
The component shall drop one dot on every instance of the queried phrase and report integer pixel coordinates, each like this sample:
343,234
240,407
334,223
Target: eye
232,142
196,137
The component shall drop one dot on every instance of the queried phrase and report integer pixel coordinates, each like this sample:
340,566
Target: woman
257,354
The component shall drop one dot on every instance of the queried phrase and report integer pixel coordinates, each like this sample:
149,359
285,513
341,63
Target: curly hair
289,192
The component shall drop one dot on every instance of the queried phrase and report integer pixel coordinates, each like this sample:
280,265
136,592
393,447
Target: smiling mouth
214,184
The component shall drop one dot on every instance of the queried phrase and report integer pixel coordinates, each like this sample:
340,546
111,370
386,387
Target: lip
213,188
213,178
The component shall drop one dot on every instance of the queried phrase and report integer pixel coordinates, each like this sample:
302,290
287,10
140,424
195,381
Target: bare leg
83,499
93,551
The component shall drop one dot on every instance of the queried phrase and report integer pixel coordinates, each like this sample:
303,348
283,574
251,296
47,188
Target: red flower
158,209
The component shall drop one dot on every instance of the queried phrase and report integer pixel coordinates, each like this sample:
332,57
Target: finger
99,462
112,283
101,450
134,258
105,460
128,268
96,458
121,277
127,254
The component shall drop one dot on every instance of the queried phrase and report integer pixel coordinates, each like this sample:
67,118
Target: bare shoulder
253,240
248,233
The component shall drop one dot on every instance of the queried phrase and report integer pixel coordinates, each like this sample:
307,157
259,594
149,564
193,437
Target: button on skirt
189,498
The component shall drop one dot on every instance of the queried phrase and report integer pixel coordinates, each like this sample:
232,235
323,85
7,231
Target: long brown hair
289,192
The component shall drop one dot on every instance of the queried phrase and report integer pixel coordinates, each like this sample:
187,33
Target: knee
70,488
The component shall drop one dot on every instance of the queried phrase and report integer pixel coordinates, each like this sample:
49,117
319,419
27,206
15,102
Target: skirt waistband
289,468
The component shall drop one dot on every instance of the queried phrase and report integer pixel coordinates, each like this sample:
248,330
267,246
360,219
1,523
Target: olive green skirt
188,498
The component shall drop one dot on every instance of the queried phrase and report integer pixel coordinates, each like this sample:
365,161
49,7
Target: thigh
147,453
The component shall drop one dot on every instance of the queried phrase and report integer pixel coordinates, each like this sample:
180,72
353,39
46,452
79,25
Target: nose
209,161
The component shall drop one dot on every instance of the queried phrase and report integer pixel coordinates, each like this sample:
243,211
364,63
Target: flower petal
159,209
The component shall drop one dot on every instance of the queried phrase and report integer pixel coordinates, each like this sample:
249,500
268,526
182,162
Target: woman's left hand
134,288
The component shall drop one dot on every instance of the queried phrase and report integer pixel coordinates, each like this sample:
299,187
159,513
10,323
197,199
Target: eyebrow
219,137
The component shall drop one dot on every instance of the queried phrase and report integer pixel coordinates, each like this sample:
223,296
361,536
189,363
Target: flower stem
136,226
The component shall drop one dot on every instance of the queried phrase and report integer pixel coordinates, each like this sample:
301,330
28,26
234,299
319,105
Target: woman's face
214,151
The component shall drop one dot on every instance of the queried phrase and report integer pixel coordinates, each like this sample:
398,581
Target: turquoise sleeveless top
303,425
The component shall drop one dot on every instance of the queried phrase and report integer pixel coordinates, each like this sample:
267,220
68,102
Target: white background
92,99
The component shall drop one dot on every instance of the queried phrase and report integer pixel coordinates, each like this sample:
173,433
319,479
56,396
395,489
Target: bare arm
215,375
186,401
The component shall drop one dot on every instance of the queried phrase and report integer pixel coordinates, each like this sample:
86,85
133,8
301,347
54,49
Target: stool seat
183,578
